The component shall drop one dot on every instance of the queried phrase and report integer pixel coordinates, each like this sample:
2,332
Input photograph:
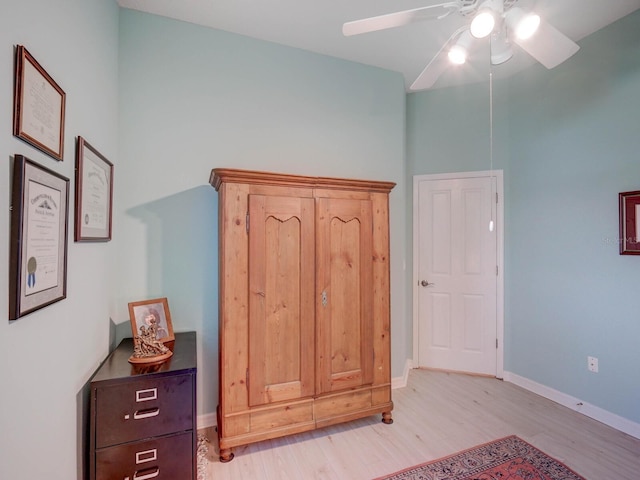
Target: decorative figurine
147,348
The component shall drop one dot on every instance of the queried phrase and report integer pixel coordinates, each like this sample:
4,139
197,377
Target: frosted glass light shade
527,26
523,24
482,24
458,54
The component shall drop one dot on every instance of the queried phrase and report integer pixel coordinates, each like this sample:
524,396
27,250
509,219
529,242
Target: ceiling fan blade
437,65
431,72
398,19
549,46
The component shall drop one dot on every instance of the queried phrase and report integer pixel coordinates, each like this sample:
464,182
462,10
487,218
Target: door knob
424,283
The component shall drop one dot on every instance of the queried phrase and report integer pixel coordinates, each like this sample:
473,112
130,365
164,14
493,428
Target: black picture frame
39,231
94,194
38,106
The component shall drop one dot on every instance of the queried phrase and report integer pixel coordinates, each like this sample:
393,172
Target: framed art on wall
94,194
38,251
38,106
629,207
152,314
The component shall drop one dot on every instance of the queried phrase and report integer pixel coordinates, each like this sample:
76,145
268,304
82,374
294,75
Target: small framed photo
94,194
152,314
38,252
38,106
629,207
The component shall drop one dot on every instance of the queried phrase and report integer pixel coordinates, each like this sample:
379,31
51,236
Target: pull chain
491,225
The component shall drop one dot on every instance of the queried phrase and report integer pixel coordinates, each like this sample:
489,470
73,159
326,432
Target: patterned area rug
509,458
202,451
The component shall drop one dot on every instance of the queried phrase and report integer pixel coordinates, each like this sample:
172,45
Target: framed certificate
629,206
94,194
38,106
38,252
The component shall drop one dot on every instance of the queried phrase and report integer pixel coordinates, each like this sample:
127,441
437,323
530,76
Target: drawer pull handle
142,414
146,456
146,395
145,476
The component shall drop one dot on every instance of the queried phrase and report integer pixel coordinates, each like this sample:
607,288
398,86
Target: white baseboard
399,382
615,421
207,420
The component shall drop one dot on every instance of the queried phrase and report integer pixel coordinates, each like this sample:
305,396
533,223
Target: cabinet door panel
281,308
344,318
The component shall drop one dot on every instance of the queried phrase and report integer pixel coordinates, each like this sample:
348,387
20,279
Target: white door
458,299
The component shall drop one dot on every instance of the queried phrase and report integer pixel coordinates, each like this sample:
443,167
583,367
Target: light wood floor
436,415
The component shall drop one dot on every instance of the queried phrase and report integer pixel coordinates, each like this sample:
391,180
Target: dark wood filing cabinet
143,418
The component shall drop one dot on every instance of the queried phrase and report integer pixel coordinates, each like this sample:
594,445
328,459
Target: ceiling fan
502,20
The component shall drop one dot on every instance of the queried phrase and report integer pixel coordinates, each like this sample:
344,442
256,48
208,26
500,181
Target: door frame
499,222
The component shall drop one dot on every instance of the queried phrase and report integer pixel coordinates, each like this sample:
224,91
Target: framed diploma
38,106
38,251
629,206
94,194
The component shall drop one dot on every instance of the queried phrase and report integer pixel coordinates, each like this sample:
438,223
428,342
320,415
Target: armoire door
344,294
281,298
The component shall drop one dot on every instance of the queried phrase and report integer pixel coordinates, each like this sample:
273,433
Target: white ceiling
316,26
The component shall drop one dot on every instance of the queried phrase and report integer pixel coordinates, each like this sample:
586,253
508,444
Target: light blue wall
171,101
192,99
448,129
568,142
572,152
47,356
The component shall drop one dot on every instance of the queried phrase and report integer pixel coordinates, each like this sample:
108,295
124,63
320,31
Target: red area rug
509,458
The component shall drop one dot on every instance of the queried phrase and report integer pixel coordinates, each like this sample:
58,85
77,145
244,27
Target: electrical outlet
592,364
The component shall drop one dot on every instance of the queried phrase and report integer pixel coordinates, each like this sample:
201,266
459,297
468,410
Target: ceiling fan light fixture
483,23
528,26
498,58
523,24
501,51
458,54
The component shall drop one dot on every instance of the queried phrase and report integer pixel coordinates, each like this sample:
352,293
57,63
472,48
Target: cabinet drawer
142,409
165,458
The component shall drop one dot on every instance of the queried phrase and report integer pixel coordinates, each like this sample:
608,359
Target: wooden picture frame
144,313
38,106
629,208
94,194
39,224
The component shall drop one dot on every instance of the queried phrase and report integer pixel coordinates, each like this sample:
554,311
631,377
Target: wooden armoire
304,321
